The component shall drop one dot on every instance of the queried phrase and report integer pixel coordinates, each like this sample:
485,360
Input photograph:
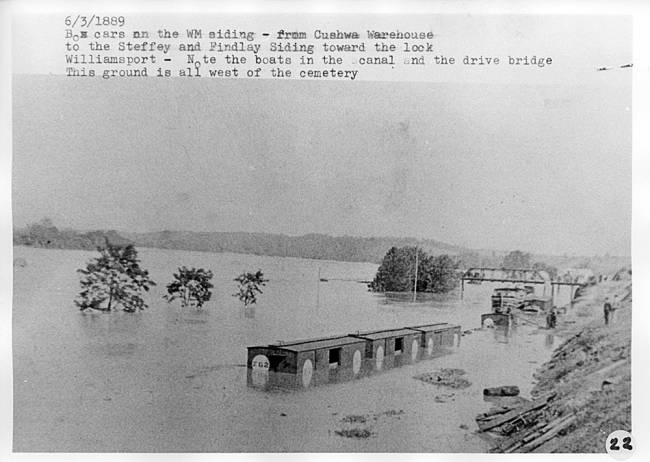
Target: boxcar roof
430,327
379,334
317,344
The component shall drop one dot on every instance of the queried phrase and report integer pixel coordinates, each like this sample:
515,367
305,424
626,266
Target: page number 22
619,445
627,444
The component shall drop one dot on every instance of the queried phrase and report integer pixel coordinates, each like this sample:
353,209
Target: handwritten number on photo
627,443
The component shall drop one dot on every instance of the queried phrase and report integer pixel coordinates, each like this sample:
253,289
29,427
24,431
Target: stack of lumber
524,426
500,416
538,438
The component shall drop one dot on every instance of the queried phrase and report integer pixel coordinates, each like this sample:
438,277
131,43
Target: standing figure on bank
616,304
607,309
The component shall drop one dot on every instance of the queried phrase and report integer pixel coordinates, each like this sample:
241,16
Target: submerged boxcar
386,349
303,363
435,338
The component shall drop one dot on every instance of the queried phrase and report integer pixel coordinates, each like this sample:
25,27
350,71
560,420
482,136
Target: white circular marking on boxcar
430,347
414,350
260,362
307,371
356,362
380,357
260,372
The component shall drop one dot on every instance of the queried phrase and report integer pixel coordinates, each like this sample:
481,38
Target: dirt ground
591,370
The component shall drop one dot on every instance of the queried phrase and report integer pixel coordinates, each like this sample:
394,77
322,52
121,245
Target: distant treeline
315,246
45,234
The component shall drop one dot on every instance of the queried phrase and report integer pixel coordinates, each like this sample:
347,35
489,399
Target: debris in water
361,432
354,433
443,398
503,390
445,377
352,418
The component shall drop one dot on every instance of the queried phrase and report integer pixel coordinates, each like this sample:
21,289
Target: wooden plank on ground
548,435
525,436
521,436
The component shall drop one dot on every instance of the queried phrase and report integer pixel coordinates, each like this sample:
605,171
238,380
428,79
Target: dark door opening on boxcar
275,362
335,358
399,345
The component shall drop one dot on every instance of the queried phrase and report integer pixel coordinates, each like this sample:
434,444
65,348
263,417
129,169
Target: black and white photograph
364,233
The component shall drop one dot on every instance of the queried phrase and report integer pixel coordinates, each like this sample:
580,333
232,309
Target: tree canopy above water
396,273
114,279
191,285
249,286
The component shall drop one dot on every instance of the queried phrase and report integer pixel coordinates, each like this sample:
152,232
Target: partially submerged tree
114,280
190,285
441,274
249,287
397,272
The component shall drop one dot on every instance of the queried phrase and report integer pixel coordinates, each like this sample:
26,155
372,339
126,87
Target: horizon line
411,238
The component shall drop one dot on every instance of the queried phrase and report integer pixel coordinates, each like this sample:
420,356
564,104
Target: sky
538,164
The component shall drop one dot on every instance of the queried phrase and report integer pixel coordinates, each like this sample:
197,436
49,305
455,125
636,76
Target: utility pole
415,284
318,290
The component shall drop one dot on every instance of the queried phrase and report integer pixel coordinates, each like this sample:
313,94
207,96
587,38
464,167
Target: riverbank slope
590,375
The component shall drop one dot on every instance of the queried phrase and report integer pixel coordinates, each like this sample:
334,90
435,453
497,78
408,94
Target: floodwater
172,380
